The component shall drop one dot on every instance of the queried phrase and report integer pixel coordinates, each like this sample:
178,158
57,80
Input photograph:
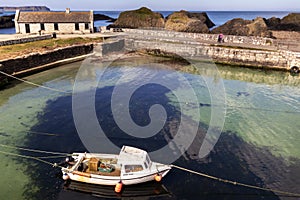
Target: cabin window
77,26
146,165
86,26
133,168
56,26
147,159
42,26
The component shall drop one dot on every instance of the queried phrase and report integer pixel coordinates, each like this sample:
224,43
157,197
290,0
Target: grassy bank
12,51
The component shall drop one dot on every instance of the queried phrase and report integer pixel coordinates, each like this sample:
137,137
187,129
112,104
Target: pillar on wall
92,21
16,21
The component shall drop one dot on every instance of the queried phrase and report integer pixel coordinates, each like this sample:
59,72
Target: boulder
258,27
272,22
184,21
141,18
238,26
7,21
291,22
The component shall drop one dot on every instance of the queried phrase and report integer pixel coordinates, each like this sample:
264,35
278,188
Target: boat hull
131,166
113,180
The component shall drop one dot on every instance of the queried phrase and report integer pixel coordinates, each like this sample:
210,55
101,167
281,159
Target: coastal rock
258,27
141,18
98,17
7,21
238,26
291,22
24,8
184,21
272,22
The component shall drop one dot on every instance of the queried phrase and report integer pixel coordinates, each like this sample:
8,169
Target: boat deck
94,163
115,172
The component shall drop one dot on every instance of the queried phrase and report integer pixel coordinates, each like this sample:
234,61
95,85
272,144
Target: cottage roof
55,17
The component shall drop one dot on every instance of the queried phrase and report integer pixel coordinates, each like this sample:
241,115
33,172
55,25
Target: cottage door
27,28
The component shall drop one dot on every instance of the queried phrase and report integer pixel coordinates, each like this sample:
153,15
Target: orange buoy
158,177
118,187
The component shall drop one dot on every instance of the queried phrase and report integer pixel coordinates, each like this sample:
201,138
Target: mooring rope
36,133
30,157
237,183
34,150
51,157
31,83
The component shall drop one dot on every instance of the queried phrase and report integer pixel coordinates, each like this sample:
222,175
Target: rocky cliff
7,21
140,18
238,26
184,21
291,22
24,8
260,26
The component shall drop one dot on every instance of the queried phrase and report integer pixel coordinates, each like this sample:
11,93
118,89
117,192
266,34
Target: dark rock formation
24,8
7,21
140,18
98,17
291,22
184,21
238,26
272,22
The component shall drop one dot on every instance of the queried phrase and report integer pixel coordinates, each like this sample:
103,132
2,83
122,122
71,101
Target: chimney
68,10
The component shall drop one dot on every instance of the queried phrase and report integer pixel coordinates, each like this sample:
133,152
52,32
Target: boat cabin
133,160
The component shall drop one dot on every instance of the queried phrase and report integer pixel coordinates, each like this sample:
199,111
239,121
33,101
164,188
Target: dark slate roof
54,17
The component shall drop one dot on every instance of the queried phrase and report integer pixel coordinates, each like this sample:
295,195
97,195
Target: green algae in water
262,107
20,107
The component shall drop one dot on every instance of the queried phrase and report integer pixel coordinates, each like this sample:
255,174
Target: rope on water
30,157
43,133
34,150
31,83
237,183
51,157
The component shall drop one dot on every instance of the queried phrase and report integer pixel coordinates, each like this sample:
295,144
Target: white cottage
58,22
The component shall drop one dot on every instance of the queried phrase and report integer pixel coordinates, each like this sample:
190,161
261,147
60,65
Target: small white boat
131,166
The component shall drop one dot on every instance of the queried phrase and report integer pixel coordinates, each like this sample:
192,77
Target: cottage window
77,26
42,26
86,26
56,26
27,28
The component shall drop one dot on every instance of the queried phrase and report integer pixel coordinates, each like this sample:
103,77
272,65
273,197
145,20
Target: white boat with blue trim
131,166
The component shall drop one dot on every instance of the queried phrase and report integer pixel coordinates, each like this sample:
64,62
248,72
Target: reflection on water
145,190
259,144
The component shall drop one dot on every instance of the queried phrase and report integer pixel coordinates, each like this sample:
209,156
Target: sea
218,17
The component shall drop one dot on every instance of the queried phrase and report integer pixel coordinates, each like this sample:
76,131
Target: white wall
49,28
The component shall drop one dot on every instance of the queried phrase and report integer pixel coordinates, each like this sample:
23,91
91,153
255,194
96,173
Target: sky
191,5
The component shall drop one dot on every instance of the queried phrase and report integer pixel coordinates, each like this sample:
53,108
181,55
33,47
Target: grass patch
12,51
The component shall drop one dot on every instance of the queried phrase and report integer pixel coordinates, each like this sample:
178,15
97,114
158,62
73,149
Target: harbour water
259,143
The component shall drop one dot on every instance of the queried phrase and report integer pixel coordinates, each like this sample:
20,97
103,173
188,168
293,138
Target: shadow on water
232,158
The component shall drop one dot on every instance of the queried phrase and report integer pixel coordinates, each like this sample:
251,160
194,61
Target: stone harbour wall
25,39
36,62
199,36
280,60
29,62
